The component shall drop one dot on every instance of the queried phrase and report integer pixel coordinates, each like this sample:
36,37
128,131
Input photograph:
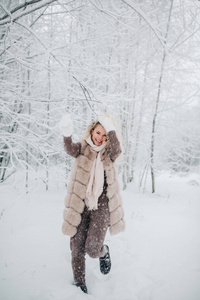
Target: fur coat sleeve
73,149
115,148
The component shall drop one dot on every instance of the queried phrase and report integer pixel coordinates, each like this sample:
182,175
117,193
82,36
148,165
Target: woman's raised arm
115,148
73,149
66,128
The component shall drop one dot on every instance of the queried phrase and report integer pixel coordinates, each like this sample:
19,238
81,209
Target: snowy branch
102,56
22,10
142,15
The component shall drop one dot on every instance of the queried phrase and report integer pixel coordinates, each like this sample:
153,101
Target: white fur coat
74,201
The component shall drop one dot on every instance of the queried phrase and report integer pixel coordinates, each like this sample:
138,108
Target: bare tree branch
141,14
17,12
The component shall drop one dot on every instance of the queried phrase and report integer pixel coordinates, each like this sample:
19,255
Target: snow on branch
22,10
145,18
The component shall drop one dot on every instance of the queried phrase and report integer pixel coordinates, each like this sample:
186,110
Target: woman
93,202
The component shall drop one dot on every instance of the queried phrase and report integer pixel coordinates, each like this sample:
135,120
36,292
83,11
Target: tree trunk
152,147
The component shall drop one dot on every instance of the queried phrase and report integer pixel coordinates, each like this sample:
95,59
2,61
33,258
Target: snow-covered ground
156,258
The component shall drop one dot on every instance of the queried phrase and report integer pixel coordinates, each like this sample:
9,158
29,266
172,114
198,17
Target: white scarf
96,182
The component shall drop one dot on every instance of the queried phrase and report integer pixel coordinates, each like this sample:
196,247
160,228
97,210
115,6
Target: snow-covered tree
135,59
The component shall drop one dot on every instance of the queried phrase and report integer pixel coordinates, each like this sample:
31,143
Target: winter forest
138,61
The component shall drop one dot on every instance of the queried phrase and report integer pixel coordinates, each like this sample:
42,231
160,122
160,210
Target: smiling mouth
100,142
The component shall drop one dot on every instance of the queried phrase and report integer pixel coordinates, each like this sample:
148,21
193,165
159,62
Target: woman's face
99,135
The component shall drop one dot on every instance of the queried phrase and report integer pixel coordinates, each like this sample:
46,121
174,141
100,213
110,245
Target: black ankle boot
84,288
105,262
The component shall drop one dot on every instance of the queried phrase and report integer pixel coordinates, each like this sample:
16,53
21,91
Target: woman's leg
99,222
77,245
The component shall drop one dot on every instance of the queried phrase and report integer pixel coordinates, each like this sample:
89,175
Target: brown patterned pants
89,238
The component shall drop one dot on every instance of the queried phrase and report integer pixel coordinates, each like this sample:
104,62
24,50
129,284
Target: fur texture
77,189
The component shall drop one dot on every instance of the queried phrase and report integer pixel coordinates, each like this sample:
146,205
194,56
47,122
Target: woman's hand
66,125
107,122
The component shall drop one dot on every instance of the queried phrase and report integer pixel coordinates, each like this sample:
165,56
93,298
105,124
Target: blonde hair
89,130
92,126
